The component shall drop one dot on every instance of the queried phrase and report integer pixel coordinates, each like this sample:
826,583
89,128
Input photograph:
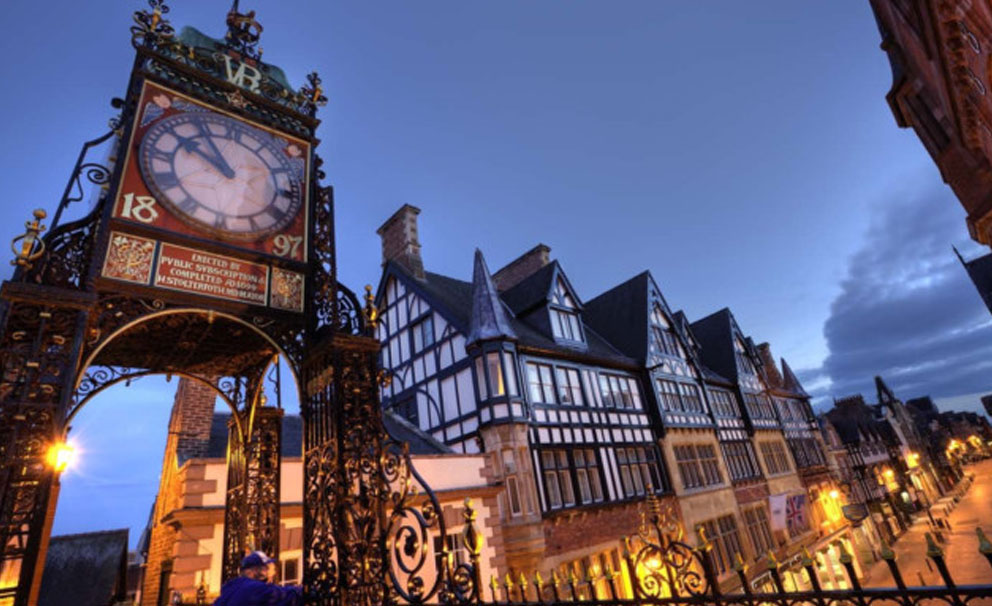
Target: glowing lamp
834,494
60,456
889,474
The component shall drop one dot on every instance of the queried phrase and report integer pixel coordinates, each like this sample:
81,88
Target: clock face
222,175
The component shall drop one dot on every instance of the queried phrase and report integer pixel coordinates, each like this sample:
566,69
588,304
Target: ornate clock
222,175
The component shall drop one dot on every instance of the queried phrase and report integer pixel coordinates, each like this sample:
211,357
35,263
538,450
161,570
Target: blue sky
743,152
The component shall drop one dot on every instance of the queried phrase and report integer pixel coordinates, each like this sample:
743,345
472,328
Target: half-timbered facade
636,317
514,371
731,355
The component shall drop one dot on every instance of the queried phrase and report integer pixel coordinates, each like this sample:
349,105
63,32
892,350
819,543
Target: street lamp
60,456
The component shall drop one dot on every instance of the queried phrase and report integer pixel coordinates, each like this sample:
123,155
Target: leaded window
423,334
775,457
540,383
587,475
569,386
758,529
557,479
698,465
639,471
740,459
564,315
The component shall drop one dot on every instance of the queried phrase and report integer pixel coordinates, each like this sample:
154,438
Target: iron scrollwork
660,560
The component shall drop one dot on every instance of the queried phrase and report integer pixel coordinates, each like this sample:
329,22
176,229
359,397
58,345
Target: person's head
256,565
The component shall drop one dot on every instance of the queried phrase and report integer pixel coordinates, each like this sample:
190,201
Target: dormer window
743,361
664,339
565,323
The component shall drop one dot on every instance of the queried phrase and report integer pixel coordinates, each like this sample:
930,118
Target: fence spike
494,585
807,559
887,553
555,584
522,583
770,561
845,555
538,581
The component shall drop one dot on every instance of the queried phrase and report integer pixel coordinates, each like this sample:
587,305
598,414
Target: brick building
940,52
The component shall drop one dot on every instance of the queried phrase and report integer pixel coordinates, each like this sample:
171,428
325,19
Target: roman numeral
166,180
188,205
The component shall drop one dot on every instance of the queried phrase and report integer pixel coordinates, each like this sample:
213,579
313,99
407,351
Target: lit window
496,386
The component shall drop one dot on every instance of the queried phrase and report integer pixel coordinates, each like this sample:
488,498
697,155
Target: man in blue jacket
253,588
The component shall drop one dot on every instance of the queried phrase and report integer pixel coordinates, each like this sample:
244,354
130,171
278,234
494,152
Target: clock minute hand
227,170
217,161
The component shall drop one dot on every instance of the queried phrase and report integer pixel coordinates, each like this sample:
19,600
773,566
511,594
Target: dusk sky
743,152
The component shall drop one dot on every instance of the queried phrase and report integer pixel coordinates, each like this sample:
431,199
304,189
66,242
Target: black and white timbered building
508,365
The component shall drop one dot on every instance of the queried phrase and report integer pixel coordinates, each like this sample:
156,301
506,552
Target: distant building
987,403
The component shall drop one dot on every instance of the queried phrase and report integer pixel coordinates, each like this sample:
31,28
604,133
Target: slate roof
454,299
852,418
715,334
489,319
980,272
621,314
292,436
790,382
532,291
88,569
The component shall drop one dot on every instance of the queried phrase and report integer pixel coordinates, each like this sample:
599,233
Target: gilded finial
493,582
522,582
984,546
471,537
739,564
538,582
572,579
770,561
554,578
371,312
807,559
28,247
704,543
508,583
933,550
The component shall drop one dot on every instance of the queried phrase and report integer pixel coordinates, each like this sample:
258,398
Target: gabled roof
790,382
88,569
453,298
715,334
621,314
292,436
489,319
535,290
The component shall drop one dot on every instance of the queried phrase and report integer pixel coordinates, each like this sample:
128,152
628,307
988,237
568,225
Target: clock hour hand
216,160
229,172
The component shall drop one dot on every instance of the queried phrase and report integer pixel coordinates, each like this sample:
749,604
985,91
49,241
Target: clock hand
193,147
229,172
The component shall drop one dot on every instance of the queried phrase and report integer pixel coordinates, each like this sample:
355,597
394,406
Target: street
966,564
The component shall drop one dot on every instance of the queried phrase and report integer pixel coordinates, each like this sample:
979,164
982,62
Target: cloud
907,310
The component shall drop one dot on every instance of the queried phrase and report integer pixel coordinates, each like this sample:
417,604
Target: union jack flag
795,514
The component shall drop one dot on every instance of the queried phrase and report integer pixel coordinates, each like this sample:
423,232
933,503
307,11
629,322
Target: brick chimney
772,374
400,242
192,416
522,267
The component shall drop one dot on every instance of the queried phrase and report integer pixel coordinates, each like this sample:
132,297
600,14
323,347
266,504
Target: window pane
480,378
534,383
496,386
511,373
511,489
